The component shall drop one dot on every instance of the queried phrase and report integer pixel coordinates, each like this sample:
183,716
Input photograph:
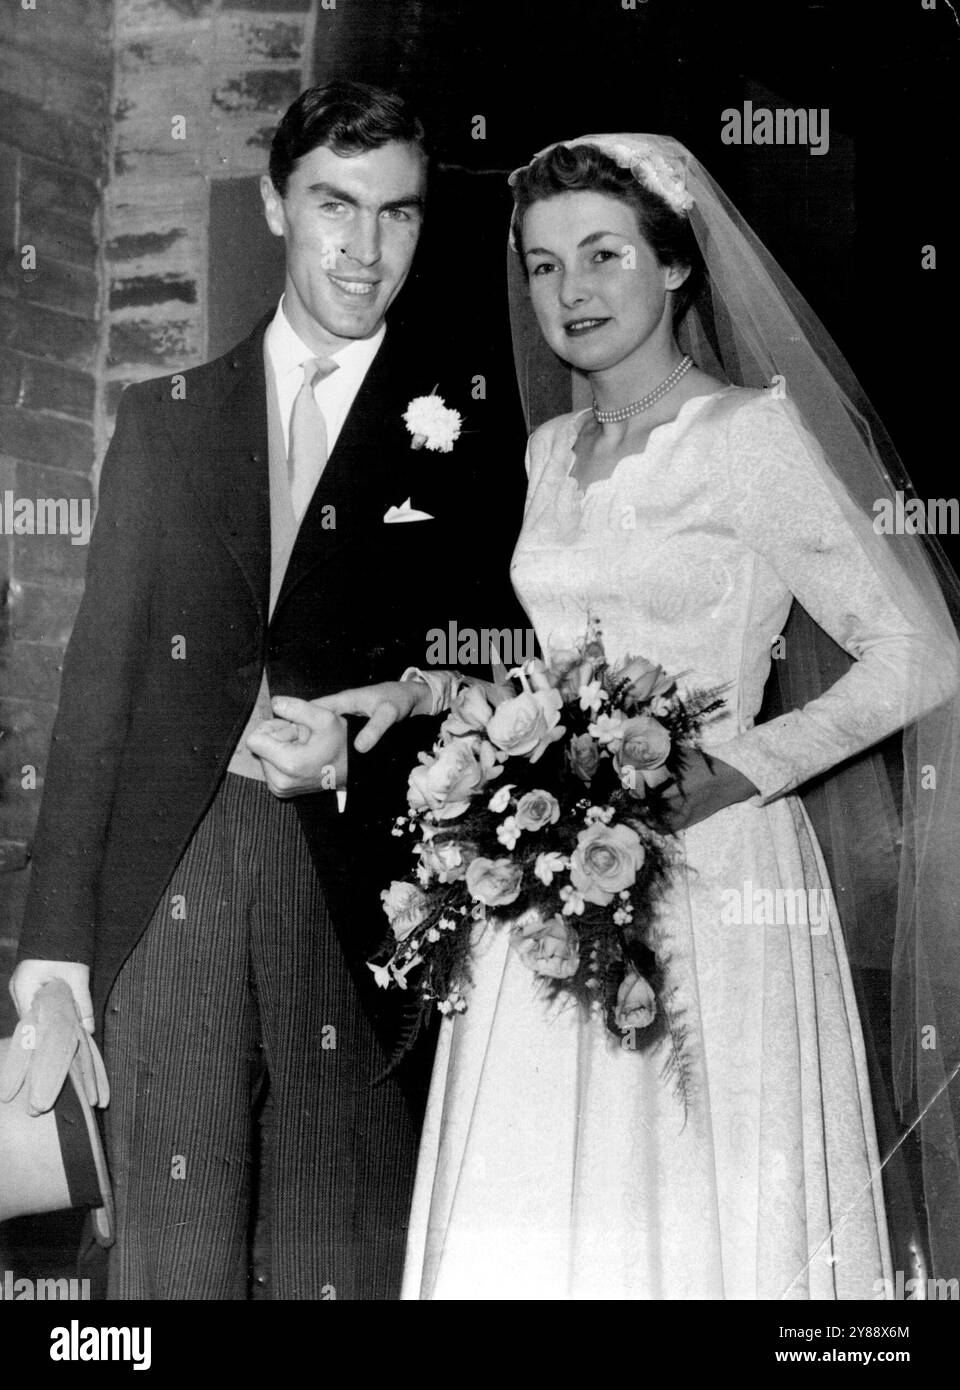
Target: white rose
444,784
494,882
444,859
643,751
405,907
644,679
636,1005
549,948
607,858
537,809
470,711
526,725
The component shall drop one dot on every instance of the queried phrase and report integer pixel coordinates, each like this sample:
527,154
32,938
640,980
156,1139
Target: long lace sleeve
797,521
443,685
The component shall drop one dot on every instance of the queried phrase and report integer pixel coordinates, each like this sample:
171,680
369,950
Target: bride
723,466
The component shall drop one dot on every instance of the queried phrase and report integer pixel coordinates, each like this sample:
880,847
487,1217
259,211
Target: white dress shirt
286,353
335,394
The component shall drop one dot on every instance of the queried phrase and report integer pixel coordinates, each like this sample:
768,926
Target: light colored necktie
307,451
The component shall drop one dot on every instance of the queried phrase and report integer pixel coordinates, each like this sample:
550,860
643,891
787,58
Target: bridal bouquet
539,813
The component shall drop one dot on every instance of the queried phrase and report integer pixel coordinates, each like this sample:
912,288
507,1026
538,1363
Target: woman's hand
704,785
384,705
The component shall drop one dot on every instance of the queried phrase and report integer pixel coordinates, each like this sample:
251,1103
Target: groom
205,877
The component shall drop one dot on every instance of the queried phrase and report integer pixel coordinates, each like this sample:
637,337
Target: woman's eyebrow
596,236
587,241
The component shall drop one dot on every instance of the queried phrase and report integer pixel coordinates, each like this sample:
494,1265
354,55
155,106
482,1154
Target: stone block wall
200,85
116,119
56,75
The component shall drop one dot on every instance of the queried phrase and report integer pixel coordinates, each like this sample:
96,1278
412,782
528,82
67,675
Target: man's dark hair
347,117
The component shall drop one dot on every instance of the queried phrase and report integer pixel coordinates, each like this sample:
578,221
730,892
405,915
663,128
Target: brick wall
116,118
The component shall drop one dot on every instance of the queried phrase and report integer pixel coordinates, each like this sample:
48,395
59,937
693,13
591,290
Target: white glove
56,1021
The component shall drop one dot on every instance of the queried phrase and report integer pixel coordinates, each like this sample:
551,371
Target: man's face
351,225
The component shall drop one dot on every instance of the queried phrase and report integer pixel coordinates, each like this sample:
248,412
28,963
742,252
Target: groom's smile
351,223
354,287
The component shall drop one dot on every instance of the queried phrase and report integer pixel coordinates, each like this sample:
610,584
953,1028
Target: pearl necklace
612,417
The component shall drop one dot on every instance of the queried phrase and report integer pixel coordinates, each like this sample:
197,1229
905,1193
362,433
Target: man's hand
384,705
31,974
704,786
56,1020
303,750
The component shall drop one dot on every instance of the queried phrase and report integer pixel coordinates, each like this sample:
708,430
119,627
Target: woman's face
598,290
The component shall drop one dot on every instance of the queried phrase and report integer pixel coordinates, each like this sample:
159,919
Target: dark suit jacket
180,557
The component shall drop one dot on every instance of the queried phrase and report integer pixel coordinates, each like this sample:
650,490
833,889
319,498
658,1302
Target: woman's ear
675,275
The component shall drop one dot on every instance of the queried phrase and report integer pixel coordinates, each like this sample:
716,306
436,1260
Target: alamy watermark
781,907
14,1290
468,646
937,516
76,1343
781,125
916,1289
46,516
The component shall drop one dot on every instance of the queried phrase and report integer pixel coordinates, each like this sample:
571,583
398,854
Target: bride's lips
576,328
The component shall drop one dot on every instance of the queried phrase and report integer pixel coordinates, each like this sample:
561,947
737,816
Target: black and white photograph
479,664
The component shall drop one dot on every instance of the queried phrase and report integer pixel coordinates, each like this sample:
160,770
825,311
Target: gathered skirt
557,1164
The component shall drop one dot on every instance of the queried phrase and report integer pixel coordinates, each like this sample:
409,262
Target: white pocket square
405,512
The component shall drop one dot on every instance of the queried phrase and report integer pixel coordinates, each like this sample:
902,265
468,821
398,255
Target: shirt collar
288,351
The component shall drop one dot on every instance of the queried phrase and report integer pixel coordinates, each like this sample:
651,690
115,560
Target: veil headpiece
890,832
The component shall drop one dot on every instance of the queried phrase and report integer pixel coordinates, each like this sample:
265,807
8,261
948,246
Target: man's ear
272,205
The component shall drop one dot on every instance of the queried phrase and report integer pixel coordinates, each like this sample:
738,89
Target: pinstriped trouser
241,954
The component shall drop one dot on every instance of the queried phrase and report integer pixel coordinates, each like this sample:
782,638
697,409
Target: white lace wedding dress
555,1165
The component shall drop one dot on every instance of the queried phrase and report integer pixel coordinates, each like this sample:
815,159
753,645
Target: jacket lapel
228,467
